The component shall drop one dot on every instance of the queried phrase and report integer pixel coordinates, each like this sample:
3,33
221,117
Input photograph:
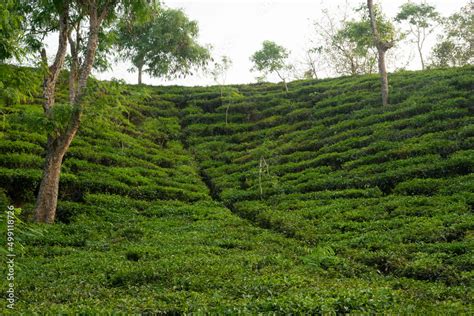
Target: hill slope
338,204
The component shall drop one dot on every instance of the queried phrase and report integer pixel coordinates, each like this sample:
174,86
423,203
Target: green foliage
41,18
270,58
161,129
323,257
11,29
14,230
105,103
373,188
164,46
356,37
385,27
220,69
18,85
419,15
359,33
422,19
60,117
348,45
455,45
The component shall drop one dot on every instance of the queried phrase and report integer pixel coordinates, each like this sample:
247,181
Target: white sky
237,29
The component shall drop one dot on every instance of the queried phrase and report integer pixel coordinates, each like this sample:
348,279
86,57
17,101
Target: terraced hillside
388,190
318,200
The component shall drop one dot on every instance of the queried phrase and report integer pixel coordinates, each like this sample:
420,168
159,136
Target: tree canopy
271,58
220,69
421,19
455,47
164,46
418,15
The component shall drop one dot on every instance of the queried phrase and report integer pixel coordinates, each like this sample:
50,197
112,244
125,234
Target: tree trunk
353,67
49,83
74,71
313,68
283,79
48,191
45,211
383,77
421,57
140,70
92,43
382,48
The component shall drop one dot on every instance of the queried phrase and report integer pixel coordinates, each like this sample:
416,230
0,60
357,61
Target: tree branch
51,78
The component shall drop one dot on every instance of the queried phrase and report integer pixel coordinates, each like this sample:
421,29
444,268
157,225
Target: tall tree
164,46
272,58
422,20
456,45
383,41
63,16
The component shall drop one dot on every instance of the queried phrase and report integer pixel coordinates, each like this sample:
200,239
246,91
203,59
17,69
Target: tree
311,62
272,58
422,20
455,47
164,46
383,41
220,69
347,44
357,37
66,17
338,53
219,74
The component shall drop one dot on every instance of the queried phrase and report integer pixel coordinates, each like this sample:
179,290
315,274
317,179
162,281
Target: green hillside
314,201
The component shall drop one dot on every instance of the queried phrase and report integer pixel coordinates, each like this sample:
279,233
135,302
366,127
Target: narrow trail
214,192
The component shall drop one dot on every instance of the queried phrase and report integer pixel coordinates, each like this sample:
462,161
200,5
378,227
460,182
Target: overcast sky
237,29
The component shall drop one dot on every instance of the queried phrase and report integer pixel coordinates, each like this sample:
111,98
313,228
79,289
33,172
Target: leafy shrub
322,257
419,187
19,85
